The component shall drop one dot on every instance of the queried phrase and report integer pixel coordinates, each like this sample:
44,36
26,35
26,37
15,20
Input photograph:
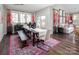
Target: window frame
12,17
19,21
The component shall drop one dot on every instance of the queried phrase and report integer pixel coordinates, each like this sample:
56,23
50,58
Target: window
62,17
41,22
61,20
38,22
28,18
14,17
22,18
76,19
61,12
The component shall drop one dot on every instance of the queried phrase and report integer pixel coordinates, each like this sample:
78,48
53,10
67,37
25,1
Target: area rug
50,43
15,49
28,50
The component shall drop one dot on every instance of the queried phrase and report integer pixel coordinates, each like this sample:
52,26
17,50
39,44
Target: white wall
3,23
46,12
4,20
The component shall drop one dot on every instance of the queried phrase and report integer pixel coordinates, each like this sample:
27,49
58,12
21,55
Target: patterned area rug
50,43
15,49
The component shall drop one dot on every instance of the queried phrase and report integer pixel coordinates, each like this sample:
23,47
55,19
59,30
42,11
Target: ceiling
71,8
27,7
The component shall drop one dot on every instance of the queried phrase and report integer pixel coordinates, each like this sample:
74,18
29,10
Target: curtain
54,17
9,18
33,18
66,19
71,18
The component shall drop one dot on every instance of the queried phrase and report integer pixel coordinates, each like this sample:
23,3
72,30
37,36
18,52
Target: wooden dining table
34,34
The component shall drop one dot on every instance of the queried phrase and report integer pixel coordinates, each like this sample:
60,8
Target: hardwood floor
5,45
69,45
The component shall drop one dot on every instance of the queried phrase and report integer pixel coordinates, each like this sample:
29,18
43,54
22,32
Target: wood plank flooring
67,46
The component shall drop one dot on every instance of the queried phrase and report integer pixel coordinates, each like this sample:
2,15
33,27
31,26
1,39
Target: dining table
35,33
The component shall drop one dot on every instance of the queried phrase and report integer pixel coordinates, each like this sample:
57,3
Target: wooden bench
23,38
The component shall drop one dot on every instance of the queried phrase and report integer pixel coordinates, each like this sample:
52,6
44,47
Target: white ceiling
71,8
27,7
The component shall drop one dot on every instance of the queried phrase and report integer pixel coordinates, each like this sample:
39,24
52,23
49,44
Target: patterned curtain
56,17
9,17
